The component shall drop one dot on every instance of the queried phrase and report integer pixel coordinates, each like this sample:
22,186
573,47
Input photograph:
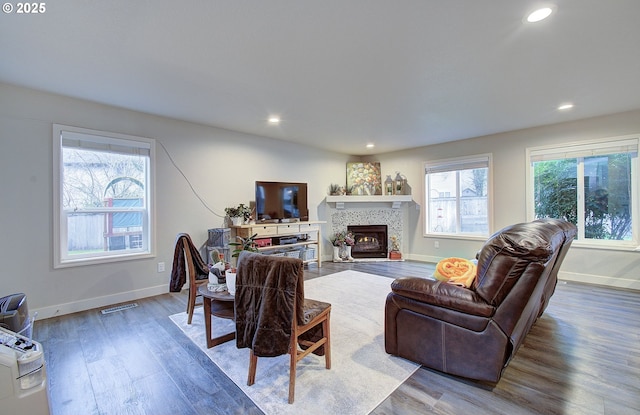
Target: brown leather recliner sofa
474,332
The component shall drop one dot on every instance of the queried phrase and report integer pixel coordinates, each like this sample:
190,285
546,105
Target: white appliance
23,378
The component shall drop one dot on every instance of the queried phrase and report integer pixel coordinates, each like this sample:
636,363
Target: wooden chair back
310,332
191,277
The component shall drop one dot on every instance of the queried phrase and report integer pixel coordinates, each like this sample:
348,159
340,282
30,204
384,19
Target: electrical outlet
436,244
160,266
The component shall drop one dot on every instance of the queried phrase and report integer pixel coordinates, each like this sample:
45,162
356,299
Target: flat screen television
278,201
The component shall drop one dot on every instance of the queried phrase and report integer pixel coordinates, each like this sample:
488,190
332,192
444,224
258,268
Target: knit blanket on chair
266,287
179,270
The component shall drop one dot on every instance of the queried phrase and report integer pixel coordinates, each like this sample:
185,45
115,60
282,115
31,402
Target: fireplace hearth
370,241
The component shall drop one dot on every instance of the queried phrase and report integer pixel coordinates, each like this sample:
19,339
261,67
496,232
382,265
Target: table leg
207,319
211,341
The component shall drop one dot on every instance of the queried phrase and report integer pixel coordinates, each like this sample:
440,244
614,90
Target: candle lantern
399,184
388,186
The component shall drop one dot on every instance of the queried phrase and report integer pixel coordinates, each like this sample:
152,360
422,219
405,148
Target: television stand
309,239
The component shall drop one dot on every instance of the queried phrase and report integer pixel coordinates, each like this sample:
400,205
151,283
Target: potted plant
395,253
245,244
238,214
335,190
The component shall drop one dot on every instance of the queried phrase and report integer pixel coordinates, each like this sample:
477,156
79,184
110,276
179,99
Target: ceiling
340,73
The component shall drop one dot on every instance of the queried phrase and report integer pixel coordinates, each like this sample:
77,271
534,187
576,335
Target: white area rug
362,374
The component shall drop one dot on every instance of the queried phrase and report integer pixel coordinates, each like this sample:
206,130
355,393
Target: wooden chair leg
191,305
327,345
294,356
293,361
253,364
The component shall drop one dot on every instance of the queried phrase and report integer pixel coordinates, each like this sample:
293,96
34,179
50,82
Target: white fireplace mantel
342,201
393,211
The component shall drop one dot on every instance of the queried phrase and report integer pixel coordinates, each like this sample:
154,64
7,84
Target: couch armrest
442,294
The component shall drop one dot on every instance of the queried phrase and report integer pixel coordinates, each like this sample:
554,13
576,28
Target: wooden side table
219,304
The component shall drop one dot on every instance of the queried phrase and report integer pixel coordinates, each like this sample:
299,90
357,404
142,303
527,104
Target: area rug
362,374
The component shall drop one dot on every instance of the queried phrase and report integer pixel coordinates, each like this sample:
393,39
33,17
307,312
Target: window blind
629,146
456,164
72,139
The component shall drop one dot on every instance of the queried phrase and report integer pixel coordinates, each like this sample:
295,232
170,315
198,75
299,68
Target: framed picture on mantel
364,179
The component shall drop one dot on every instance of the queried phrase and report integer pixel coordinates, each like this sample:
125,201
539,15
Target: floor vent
119,308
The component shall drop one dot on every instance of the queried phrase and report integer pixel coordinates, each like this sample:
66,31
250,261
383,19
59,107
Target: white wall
221,165
615,268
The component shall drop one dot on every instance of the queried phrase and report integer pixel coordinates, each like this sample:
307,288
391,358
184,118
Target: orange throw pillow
458,271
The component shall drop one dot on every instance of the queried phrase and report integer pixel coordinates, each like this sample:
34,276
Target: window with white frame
593,185
458,196
103,196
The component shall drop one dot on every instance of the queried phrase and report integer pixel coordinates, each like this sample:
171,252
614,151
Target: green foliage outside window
606,190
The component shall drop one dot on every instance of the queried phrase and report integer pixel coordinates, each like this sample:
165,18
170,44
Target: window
457,196
103,196
593,185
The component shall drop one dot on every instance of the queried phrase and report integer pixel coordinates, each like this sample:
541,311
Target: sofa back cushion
508,253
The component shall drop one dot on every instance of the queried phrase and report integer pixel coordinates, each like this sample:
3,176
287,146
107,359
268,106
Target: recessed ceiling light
539,14
564,107
274,120
370,145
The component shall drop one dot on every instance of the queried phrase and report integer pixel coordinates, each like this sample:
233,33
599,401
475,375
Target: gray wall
221,165
598,266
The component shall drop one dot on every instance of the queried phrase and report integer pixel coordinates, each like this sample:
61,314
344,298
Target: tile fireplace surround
370,213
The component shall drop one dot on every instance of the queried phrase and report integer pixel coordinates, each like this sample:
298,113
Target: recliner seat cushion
442,294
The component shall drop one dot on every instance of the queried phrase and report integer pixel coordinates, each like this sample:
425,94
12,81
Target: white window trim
578,149
488,157
59,228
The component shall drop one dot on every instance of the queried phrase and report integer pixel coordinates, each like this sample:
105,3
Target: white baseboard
616,282
87,304
424,258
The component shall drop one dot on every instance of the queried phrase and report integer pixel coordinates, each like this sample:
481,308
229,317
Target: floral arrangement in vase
342,238
342,243
349,239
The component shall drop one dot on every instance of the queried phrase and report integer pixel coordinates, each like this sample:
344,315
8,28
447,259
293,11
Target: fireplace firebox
370,241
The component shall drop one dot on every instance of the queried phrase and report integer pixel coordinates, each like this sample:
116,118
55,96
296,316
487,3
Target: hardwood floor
581,357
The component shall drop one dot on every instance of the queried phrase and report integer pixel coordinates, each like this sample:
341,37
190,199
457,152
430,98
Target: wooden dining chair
267,288
187,258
